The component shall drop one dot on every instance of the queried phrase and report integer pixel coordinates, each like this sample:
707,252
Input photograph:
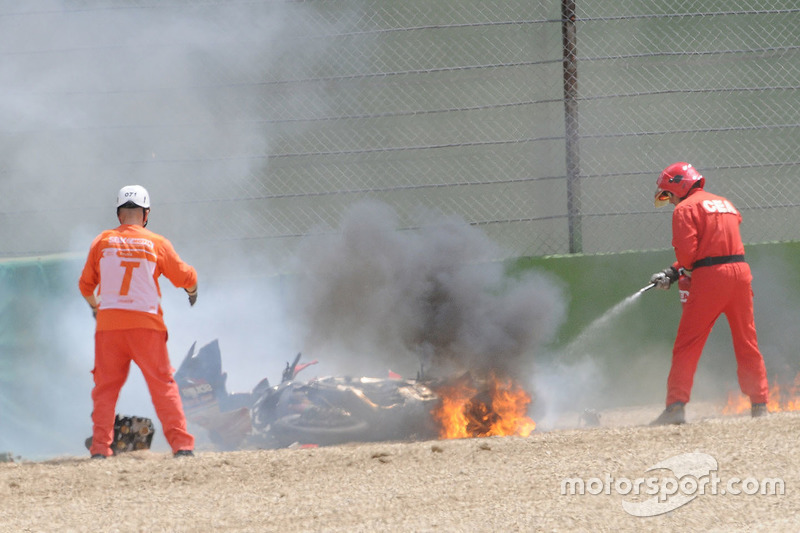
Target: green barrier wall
596,283
44,388
630,354
46,340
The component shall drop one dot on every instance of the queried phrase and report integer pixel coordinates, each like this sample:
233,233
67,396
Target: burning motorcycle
322,411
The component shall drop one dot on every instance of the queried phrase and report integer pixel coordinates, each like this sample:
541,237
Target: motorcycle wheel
295,428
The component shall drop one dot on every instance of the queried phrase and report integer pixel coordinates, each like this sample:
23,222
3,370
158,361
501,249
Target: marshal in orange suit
120,283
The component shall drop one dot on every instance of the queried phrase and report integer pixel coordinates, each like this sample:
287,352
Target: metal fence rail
255,123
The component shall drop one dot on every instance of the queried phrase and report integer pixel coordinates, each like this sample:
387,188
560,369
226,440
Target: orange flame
498,409
781,398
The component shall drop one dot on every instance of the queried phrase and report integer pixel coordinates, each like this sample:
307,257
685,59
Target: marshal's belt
718,260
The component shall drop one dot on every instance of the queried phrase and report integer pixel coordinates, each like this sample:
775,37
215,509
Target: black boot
758,410
673,414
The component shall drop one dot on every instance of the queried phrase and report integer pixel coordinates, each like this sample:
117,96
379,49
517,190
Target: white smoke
95,97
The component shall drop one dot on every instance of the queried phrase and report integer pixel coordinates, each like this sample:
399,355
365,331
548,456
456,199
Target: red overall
126,263
707,226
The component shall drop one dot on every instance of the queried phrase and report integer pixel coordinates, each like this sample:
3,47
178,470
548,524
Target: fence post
570,66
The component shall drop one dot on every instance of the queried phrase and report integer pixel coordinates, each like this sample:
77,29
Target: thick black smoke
434,295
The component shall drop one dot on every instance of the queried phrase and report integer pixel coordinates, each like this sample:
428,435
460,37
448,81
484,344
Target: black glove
192,295
665,278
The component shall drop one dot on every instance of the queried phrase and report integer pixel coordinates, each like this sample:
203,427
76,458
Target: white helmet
135,194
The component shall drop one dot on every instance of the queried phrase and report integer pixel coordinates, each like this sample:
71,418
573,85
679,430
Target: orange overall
706,238
126,263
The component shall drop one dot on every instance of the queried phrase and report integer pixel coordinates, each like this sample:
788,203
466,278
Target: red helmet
678,179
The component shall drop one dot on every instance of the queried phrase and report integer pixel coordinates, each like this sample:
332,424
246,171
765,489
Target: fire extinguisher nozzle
647,288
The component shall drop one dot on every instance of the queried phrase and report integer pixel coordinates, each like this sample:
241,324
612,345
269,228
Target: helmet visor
662,198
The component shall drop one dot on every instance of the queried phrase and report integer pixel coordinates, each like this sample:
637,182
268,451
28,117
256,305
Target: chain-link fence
255,123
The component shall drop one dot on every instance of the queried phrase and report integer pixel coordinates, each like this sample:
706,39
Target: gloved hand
192,295
665,278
